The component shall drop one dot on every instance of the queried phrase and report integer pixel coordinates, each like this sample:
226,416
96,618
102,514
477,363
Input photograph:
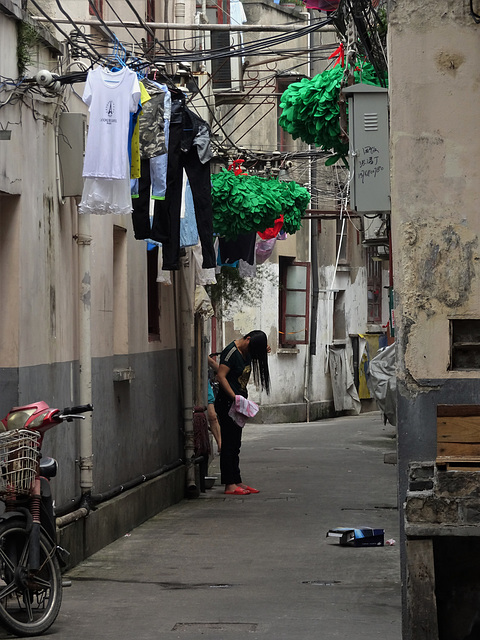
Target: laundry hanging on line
111,96
140,144
188,151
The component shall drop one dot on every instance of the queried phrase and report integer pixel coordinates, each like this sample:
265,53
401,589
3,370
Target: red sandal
238,492
251,489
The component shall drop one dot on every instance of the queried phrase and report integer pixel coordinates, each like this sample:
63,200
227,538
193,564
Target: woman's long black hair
258,352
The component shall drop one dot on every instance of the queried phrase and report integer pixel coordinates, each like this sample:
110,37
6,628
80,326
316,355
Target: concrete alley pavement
260,566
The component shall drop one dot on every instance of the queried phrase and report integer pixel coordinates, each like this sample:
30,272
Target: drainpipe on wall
315,286
186,337
180,17
58,172
313,178
307,372
306,380
312,347
84,240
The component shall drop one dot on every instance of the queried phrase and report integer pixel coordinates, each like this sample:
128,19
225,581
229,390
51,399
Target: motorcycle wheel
29,604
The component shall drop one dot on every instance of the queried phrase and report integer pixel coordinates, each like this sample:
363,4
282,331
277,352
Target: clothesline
142,139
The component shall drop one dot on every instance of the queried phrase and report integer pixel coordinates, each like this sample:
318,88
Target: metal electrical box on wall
369,152
72,131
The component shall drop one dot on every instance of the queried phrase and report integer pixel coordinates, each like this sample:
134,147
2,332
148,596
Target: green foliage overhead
243,204
27,39
310,108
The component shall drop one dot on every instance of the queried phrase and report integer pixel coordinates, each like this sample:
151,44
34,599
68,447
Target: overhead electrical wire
242,49
93,7
129,31
96,56
258,47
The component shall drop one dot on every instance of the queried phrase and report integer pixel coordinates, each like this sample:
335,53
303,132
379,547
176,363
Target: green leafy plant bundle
244,203
310,108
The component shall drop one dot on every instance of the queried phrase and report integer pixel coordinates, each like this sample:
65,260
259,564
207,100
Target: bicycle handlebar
83,408
71,413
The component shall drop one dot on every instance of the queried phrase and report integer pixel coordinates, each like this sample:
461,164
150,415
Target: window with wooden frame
374,285
95,4
294,302
218,11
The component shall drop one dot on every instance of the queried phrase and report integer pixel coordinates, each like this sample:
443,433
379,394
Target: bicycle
30,559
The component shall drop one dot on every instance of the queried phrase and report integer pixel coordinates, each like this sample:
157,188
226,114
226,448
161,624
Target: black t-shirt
240,368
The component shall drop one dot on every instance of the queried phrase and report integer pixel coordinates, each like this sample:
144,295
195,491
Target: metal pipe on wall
180,18
73,516
311,347
84,240
186,338
274,28
199,360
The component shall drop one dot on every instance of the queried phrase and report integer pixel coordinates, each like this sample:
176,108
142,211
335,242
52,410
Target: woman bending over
236,362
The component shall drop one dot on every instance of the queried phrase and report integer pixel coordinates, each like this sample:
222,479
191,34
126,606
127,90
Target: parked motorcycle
30,559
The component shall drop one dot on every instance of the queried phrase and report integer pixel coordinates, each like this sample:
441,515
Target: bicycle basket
18,461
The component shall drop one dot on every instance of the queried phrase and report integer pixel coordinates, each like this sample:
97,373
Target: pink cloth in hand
242,409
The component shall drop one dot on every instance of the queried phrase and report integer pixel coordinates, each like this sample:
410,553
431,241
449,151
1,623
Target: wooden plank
458,450
458,429
451,463
458,410
421,600
462,467
457,459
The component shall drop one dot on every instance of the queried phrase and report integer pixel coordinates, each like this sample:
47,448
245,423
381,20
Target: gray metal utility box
72,131
369,151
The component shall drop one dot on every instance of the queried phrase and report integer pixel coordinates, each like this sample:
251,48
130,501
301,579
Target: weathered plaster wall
435,177
136,422
434,84
435,189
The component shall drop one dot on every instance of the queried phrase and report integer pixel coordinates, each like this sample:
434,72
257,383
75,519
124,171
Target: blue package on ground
361,537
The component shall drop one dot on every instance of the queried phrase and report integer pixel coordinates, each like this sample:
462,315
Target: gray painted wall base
118,516
293,412
297,412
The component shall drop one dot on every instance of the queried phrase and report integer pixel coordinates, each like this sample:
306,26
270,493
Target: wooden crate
458,436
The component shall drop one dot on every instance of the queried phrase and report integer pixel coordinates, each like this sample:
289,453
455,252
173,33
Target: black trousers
199,177
231,442
141,210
